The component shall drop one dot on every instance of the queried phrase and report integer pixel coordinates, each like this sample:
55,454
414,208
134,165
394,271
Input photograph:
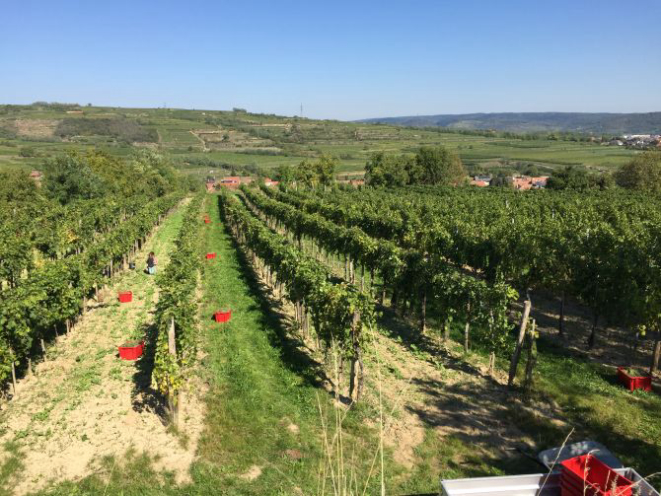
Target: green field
226,138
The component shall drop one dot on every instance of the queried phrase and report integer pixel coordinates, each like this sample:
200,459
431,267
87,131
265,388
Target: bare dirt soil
36,128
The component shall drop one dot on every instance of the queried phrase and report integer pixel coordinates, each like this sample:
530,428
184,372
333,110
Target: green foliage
573,178
311,174
431,165
96,174
437,166
600,248
387,170
53,293
27,152
70,177
502,180
285,174
307,281
324,168
177,301
405,271
155,171
642,173
17,186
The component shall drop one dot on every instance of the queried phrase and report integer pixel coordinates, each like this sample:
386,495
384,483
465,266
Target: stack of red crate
586,475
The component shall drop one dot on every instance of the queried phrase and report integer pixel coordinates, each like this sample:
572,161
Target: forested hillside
530,122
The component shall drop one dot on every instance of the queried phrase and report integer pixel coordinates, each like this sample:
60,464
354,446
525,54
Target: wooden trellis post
172,396
13,372
532,358
357,368
519,343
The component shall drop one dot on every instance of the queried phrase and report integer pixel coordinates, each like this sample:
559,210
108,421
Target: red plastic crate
589,476
211,256
632,383
131,351
222,317
125,296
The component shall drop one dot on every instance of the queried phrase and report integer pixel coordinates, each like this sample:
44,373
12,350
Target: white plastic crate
524,485
510,485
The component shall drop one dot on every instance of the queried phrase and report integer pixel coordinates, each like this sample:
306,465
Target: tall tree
325,169
439,166
571,177
642,173
387,170
70,177
17,186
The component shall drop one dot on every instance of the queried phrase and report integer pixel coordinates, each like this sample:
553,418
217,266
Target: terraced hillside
200,141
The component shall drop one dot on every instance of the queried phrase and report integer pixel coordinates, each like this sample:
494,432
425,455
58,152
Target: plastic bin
587,475
632,383
125,296
223,316
510,485
132,350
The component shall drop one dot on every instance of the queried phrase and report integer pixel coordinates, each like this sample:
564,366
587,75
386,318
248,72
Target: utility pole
301,110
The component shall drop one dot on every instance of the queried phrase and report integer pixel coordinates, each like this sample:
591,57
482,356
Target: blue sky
340,59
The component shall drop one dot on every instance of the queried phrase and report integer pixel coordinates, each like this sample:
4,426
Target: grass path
263,430
81,405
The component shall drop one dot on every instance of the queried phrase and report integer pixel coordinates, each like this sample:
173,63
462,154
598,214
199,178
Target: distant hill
530,122
237,142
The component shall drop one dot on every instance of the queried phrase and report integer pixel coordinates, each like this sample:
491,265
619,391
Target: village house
524,183
233,182
480,181
638,141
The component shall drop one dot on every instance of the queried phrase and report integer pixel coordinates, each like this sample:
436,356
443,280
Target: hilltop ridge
523,122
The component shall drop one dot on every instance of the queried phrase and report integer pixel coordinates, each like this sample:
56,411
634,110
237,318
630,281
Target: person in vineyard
151,263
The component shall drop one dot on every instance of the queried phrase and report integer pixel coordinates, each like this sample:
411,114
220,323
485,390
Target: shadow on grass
10,467
402,330
479,416
146,398
273,318
133,474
